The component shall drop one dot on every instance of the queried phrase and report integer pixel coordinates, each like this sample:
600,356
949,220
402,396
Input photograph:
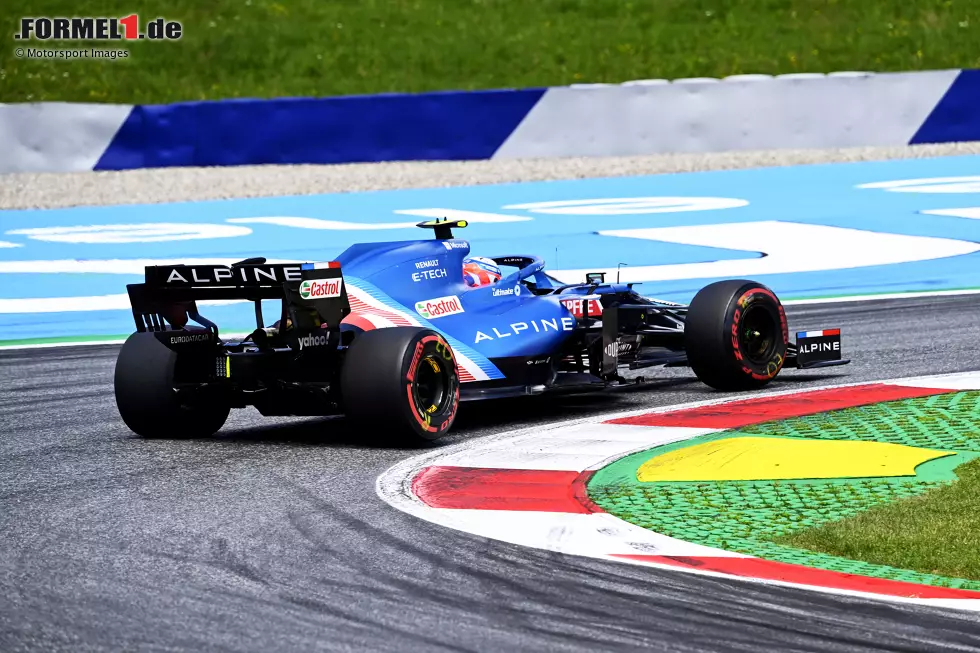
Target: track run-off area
271,534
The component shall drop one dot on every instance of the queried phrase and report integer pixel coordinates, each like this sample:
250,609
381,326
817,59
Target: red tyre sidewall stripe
410,375
783,325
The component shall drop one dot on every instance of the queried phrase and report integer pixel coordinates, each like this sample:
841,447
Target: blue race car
394,335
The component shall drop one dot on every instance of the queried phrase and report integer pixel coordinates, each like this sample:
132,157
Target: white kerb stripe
574,448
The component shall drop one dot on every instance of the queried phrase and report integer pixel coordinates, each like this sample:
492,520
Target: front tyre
146,398
736,335
401,383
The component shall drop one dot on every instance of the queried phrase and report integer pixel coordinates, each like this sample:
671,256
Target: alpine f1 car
390,335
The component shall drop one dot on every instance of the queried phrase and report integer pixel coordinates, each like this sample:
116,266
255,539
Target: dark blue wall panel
396,127
957,116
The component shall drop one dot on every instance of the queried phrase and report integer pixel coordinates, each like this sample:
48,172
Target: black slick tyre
400,384
736,335
145,395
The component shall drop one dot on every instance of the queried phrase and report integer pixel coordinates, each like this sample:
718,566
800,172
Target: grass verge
937,532
267,48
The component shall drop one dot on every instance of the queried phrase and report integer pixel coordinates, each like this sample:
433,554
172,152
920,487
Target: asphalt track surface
270,537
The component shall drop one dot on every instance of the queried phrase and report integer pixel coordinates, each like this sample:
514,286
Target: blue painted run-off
814,195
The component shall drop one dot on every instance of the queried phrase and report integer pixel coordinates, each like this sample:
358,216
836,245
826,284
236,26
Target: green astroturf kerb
748,516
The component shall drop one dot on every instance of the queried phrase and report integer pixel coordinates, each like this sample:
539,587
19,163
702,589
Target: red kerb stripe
782,571
765,409
499,489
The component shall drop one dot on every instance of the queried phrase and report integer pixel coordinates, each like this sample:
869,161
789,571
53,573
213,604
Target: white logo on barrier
967,184
630,205
151,232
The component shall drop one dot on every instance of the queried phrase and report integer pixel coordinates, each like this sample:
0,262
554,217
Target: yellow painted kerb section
759,459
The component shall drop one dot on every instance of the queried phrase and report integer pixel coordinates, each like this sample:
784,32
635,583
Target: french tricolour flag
817,334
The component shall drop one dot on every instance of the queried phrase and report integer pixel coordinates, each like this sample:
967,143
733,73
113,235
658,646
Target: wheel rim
758,333
431,389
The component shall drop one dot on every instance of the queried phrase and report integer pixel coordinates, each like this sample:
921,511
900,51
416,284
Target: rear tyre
145,395
736,335
401,383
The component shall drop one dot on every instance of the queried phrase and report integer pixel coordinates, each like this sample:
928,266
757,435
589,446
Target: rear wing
312,294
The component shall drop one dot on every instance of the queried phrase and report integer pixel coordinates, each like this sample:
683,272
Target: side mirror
595,277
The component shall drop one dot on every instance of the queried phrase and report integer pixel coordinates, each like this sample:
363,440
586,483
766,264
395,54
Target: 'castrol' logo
320,289
439,307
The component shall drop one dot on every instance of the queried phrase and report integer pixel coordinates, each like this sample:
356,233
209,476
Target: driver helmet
480,271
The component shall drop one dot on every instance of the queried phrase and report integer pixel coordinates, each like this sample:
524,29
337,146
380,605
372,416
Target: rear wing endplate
310,293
